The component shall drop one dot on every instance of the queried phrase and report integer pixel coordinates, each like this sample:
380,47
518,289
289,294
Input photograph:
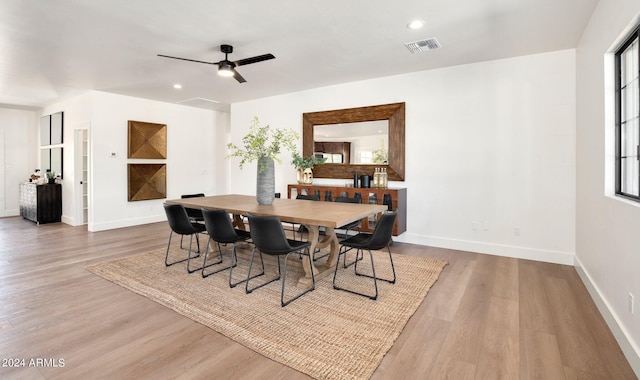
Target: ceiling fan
227,68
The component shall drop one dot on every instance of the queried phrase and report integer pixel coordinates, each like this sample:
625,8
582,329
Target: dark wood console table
369,195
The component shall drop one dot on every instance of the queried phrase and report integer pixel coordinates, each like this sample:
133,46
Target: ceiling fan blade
255,59
238,77
187,59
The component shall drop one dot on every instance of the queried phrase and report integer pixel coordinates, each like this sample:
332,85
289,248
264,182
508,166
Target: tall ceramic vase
266,185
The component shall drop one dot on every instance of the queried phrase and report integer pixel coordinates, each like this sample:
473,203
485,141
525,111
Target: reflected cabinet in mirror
356,139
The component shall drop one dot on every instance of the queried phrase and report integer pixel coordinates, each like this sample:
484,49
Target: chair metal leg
393,269
246,288
316,258
373,269
359,257
189,270
234,263
218,262
181,247
166,257
284,278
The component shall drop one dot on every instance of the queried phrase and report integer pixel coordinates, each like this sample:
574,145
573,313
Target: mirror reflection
51,159
364,143
392,146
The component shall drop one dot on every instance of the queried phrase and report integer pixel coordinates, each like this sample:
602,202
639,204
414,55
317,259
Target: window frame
633,36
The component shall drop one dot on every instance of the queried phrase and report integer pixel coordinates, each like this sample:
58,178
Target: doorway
81,177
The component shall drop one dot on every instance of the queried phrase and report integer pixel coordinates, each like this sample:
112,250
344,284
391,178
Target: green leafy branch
261,141
300,162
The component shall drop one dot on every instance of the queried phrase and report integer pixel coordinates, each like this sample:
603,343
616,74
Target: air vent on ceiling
423,45
199,102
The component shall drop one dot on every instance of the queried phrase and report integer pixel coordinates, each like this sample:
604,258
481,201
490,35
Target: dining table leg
238,222
320,269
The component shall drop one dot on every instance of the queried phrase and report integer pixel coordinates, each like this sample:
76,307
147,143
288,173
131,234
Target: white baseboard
94,227
556,257
67,220
630,349
7,213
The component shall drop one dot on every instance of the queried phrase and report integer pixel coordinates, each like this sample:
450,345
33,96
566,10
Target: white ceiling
51,50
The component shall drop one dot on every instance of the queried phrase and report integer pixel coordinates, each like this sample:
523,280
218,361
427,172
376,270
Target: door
81,177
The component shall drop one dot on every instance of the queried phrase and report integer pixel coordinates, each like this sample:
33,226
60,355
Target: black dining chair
380,238
195,215
269,238
353,225
220,230
299,227
180,224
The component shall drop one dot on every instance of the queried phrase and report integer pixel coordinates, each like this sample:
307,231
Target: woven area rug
327,334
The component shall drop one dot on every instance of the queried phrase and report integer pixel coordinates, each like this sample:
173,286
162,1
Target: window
365,156
627,60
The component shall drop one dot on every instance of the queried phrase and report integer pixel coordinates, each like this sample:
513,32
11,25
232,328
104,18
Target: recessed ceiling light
417,24
177,86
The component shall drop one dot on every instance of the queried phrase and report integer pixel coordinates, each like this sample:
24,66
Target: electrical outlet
516,231
631,303
475,225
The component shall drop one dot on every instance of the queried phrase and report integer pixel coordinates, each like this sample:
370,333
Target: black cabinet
41,203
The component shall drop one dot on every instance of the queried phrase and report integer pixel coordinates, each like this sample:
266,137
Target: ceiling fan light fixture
225,69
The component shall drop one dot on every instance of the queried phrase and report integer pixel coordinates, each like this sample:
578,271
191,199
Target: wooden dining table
311,214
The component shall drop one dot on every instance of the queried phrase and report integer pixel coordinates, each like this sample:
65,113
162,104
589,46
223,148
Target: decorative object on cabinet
304,167
263,145
41,203
51,176
146,181
394,113
147,140
394,198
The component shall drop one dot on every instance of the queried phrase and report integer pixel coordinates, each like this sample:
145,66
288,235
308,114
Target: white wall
76,115
18,134
192,156
488,142
195,150
607,238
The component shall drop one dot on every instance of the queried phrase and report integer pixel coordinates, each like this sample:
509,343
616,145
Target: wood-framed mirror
394,113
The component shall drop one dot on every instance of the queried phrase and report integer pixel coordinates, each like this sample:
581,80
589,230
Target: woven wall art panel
147,140
147,181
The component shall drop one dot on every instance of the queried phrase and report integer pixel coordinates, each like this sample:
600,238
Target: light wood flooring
487,317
